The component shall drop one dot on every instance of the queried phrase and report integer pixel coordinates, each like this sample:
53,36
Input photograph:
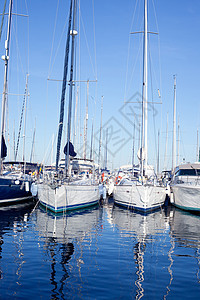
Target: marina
99,171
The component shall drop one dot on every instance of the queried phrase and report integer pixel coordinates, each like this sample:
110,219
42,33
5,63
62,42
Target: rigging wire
159,59
128,55
21,64
126,80
58,47
96,95
28,39
52,63
87,44
152,102
2,20
94,40
21,120
53,38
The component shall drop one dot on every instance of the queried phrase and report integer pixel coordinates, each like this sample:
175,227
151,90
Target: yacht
185,187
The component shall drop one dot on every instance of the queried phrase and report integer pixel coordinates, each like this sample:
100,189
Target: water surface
105,252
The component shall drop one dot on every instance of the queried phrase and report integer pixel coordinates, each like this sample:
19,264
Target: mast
5,58
14,140
143,154
73,33
100,132
174,129
178,143
165,159
158,158
24,135
86,121
21,121
75,116
197,145
62,103
33,144
106,153
91,144
133,155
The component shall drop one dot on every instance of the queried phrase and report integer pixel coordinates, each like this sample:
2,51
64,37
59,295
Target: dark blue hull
14,190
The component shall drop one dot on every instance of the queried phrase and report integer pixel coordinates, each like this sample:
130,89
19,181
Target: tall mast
106,151
197,146
86,121
75,116
178,143
165,158
133,153
158,158
144,97
33,144
24,135
99,158
62,104
73,34
23,117
174,129
5,58
91,144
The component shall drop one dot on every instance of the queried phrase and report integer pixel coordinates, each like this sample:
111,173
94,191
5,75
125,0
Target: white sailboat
60,192
147,193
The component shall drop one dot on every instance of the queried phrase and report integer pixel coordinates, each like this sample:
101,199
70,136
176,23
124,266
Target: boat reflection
13,221
149,238
185,241
185,228
65,236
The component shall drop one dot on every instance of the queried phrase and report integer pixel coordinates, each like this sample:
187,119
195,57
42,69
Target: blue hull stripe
69,207
186,208
139,208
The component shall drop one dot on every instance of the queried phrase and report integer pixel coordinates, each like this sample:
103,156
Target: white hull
67,196
139,197
186,196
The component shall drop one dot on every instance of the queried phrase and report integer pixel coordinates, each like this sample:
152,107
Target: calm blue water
105,252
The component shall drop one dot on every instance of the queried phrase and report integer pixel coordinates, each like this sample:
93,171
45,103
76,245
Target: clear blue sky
175,51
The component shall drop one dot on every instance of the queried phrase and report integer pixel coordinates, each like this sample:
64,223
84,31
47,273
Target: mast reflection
148,235
13,219
63,236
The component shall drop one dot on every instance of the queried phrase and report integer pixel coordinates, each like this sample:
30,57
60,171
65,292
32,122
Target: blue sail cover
62,104
71,149
3,148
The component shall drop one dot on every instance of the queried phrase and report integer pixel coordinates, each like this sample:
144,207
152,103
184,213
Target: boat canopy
195,166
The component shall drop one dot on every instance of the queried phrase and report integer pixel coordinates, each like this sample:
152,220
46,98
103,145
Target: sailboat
59,191
15,185
141,192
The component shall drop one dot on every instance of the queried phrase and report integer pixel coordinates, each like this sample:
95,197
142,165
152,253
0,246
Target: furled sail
71,149
62,104
3,148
